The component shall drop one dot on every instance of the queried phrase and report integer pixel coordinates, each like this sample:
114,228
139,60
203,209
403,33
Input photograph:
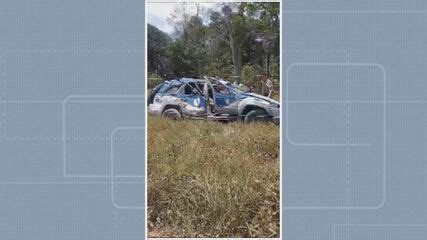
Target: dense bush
248,74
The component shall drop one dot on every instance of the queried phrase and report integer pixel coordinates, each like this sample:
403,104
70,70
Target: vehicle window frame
172,87
194,91
229,93
163,88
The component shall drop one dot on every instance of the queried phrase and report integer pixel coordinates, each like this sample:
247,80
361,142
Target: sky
159,12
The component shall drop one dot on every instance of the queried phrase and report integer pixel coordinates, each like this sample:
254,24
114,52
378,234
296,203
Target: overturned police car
212,99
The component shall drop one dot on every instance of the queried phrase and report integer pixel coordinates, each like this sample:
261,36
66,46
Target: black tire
171,113
257,115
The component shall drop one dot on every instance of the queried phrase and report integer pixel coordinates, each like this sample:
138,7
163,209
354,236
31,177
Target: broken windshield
168,88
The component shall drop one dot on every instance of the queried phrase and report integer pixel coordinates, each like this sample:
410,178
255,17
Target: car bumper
154,109
274,112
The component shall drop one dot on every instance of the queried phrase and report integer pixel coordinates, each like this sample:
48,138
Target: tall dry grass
208,179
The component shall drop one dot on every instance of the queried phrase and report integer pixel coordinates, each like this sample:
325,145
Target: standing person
263,85
269,85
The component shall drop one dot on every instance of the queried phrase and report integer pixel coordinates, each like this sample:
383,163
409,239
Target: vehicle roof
180,81
188,80
192,79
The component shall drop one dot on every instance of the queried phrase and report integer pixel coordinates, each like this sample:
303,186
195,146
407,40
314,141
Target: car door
193,98
209,95
225,102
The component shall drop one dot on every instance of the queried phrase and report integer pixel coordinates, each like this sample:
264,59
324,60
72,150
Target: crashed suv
212,99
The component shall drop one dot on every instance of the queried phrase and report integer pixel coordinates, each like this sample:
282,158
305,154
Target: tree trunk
236,52
268,63
238,64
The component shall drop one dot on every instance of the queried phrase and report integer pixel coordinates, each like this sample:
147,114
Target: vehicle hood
261,97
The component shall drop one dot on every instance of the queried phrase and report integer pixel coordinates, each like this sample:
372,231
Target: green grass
208,179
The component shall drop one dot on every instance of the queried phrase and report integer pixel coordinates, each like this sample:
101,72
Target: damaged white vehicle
210,98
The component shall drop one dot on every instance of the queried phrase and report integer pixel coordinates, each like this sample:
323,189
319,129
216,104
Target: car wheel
171,113
257,115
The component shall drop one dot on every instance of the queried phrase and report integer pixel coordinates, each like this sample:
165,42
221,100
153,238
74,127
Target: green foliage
248,74
235,35
275,71
188,53
157,42
182,59
207,179
215,70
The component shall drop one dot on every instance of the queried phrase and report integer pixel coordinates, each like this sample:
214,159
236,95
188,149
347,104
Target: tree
189,50
218,41
266,23
157,43
232,27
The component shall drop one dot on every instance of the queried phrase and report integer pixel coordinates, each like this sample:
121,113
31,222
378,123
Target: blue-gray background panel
84,60
374,185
